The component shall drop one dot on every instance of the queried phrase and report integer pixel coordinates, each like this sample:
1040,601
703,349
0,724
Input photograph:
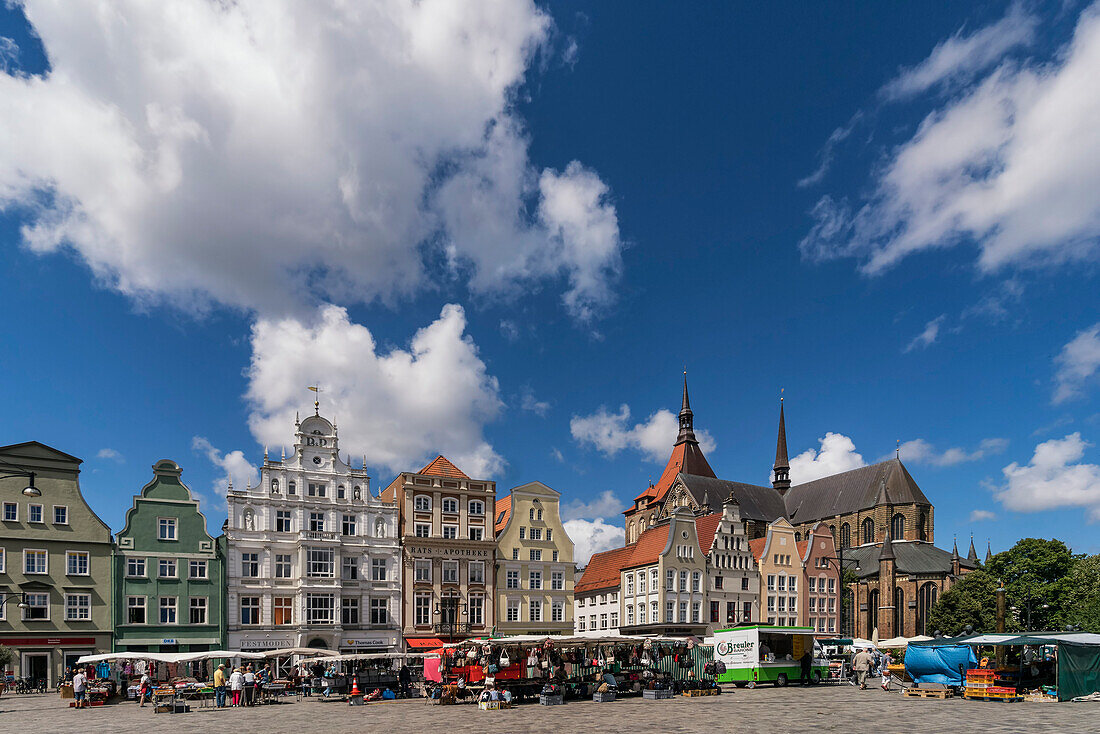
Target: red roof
705,527
649,546
440,466
686,458
502,513
756,545
602,571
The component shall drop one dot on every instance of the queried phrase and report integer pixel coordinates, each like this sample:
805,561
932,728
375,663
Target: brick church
879,518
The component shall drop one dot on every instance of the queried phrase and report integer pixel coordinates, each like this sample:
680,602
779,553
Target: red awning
422,642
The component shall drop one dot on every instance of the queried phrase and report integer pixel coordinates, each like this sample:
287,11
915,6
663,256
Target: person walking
236,684
404,676
144,688
80,688
862,666
219,686
249,686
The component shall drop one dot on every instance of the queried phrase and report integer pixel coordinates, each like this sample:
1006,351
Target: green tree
1037,574
972,601
7,656
1086,584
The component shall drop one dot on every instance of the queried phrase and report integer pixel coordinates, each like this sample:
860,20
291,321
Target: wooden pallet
1007,699
701,692
925,693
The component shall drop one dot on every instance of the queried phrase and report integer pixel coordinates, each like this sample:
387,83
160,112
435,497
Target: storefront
368,643
45,658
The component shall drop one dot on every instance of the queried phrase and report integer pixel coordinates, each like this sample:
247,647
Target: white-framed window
35,561
782,601
630,584
813,604
792,583
423,610
168,610
197,610
166,528
450,505
513,610
536,533
683,611
580,624
60,515
696,578
557,611
641,582
78,607
196,569
379,611
813,585
250,610
696,611
670,580
283,609
349,610
341,493
317,522
614,620
135,610
782,582
349,568
282,565
348,525
282,521
683,580
291,488
423,530
378,569
11,512
34,514
315,490
557,580
477,532
322,563
629,615
38,607
450,531
450,572
670,611
515,554
476,572
536,554
656,612
535,579
476,613
166,568
549,535
422,503
511,579
771,603
477,507
642,615
423,570
534,610
771,582
320,608
76,563
3,563
832,586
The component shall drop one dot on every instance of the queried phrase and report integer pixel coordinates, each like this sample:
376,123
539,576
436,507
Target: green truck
756,654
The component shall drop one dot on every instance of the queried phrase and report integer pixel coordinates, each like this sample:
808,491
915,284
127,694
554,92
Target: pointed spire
687,418
972,555
988,552
955,549
887,552
284,453
781,470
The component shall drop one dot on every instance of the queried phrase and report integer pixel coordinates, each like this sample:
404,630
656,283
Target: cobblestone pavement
827,709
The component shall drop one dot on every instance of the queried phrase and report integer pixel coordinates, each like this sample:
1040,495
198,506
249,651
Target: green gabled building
169,573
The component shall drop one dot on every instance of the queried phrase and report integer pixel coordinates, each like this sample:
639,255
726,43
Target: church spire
973,554
781,470
988,551
687,418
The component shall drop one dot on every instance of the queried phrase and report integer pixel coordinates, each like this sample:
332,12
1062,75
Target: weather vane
316,398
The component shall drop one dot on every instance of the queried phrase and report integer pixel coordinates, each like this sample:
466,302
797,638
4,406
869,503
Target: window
670,581
792,583
166,568
60,515
771,603
320,608
450,505
718,583
250,565
422,503
322,564
771,582
341,493
34,561
695,611
629,615
315,490
782,601
282,521
536,554
557,611
592,622
348,525
168,610
291,488
477,572
38,607
614,620
782,582
76,563
477,507
282,565
832,586
695,581
511,580
282,607
317,522
555,556
423,571
349,611
845,535
522,533
641,582
450,531
423,530
450,572
166,528
745,583
715,611
683,611
3,569
198,610
813,585
477,533
832,606
515,554
379,611
423,610
683,580
378,570
642,613
250,610
197,569
513,610
78,607
534,611
11,512
549,534
34,513
897,527
557,581
813,604
535,580
536,533
630,584
135,610
349,568
867,529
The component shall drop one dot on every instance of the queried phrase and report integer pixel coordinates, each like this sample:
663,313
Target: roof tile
502,513
602,571
440,466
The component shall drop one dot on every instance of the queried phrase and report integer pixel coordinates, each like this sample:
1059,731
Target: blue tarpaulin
943,664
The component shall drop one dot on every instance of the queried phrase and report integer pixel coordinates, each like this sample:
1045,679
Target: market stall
755,654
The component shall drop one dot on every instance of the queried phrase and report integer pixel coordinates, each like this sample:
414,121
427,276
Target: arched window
899,611
845,536
797,537
341,493
450,504
832,532
422,503
897,527
872,612
477,507
290,488
926,599
868,531
922,527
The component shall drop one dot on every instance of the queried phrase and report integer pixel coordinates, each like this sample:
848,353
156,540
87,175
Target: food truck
765,654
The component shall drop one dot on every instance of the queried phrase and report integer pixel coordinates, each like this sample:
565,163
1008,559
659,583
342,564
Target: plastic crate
551,700
657,694
603,697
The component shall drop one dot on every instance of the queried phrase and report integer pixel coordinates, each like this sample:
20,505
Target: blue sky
485,232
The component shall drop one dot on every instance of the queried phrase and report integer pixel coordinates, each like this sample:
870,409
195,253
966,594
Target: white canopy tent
370,656
169,657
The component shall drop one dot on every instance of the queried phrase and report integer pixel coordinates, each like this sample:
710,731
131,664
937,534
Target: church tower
781,471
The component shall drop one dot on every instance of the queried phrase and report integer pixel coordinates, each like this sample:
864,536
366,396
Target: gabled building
820,581
597,606
534,563
169,575
732,580
780,563
57,552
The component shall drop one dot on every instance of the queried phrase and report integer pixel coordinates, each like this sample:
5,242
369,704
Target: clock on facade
317,460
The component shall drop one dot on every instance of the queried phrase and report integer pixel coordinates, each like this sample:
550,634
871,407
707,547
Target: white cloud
531,404
1011,164
610,433
509,329
110,454
606,505
927,337
399,408
982,515
837,454
234,465
919,451
592,536
1052,479
828,152
557,455
1078,361
274,155
960,57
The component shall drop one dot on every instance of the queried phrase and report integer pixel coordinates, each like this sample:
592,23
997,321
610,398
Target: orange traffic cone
355,686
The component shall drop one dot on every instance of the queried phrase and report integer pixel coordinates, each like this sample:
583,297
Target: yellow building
534,563
780,563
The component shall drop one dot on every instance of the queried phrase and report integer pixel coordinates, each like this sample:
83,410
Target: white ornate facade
313,558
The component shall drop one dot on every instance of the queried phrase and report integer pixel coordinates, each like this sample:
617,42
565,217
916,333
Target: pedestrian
330,681
80,688
806,662
249,686
861,664
404,676
144,688
219,686
236,684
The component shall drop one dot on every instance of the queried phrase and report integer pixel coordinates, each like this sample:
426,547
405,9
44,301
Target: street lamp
839,562
447,609
17,471
1028,607
21,596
